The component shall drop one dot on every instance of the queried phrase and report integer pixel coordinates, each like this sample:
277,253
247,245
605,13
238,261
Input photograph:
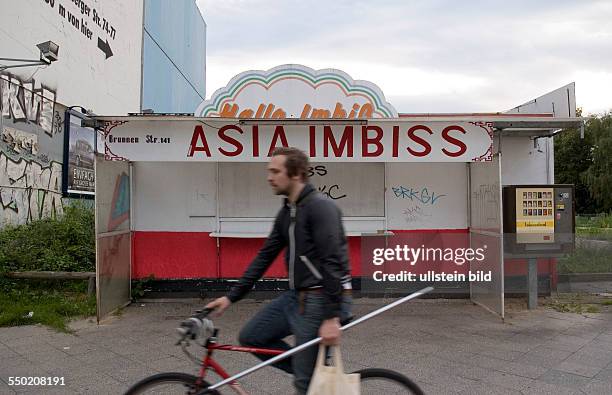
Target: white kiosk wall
526,162
175,196
416,196
426,196
247,205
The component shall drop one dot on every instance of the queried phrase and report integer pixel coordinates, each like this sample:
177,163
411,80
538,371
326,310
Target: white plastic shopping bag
331,380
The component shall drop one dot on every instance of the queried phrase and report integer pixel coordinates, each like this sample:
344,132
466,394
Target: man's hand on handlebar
219,305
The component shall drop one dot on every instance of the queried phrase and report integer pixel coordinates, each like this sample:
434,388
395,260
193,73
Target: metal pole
532,283
317,340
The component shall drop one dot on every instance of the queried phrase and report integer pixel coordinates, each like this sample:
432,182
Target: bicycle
373,380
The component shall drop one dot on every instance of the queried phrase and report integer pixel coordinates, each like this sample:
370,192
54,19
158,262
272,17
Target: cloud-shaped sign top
296,91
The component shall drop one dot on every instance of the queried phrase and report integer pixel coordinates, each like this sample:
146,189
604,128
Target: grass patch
594,233
596,221
572,307
584,260
52,303
569,303
579,303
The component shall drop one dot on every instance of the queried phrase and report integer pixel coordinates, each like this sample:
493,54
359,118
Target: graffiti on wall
29,190
486,207
120,206
22,102
422,195
19,141
30,181
419,199
332,191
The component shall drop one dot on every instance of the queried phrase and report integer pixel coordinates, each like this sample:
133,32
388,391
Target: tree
573,158
598,177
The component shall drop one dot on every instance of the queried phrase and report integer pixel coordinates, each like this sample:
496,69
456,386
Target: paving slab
448,346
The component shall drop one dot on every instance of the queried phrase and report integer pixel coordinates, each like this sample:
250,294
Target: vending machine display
538,219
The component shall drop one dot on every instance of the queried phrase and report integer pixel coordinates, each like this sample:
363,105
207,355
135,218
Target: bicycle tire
160,379
399,380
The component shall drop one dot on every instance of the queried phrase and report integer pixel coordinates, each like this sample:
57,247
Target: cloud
444,54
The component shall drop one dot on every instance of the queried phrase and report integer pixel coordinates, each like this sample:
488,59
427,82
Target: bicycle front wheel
383,381
169,384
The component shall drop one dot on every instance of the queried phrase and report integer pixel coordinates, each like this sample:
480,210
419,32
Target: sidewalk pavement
447,346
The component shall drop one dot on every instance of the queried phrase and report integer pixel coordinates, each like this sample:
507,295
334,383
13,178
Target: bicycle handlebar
192,326
201,314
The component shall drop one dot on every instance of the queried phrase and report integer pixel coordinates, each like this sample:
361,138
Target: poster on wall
79,157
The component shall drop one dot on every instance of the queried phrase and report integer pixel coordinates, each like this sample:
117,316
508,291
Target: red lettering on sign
198,135
366,141
454,141
419,140
255,132
312,130
395,145
330,140
279,133
230,140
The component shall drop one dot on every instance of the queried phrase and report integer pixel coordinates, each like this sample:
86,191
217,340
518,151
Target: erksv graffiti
23,103
422,195
29,191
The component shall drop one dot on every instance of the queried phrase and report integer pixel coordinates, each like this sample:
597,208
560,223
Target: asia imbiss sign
257,111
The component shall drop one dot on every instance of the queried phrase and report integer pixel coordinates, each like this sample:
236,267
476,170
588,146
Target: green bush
63,244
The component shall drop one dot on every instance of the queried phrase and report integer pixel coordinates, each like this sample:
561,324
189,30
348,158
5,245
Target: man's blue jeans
283,317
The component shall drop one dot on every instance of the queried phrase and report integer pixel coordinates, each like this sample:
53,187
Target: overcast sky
426,56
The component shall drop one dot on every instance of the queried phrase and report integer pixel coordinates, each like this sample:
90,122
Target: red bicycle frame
210,363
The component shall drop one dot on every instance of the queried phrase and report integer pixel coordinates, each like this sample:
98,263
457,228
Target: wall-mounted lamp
48,54
48,51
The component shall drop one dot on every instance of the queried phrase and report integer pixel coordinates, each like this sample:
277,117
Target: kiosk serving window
357,188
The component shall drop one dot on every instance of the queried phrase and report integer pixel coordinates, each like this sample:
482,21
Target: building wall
82,75
33,99
174,57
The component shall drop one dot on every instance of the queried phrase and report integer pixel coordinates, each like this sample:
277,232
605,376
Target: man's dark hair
296,161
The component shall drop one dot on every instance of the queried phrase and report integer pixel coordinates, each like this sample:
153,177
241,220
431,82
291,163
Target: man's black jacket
317,251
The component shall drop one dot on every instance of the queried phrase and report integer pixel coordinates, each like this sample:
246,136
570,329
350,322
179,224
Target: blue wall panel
174,56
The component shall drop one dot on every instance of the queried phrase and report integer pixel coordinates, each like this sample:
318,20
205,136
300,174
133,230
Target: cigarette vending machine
538,220
538,223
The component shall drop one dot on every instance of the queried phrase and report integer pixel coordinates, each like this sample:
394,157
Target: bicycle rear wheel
169,384
383,381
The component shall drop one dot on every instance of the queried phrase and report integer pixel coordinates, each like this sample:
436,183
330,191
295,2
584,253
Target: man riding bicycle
310,226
